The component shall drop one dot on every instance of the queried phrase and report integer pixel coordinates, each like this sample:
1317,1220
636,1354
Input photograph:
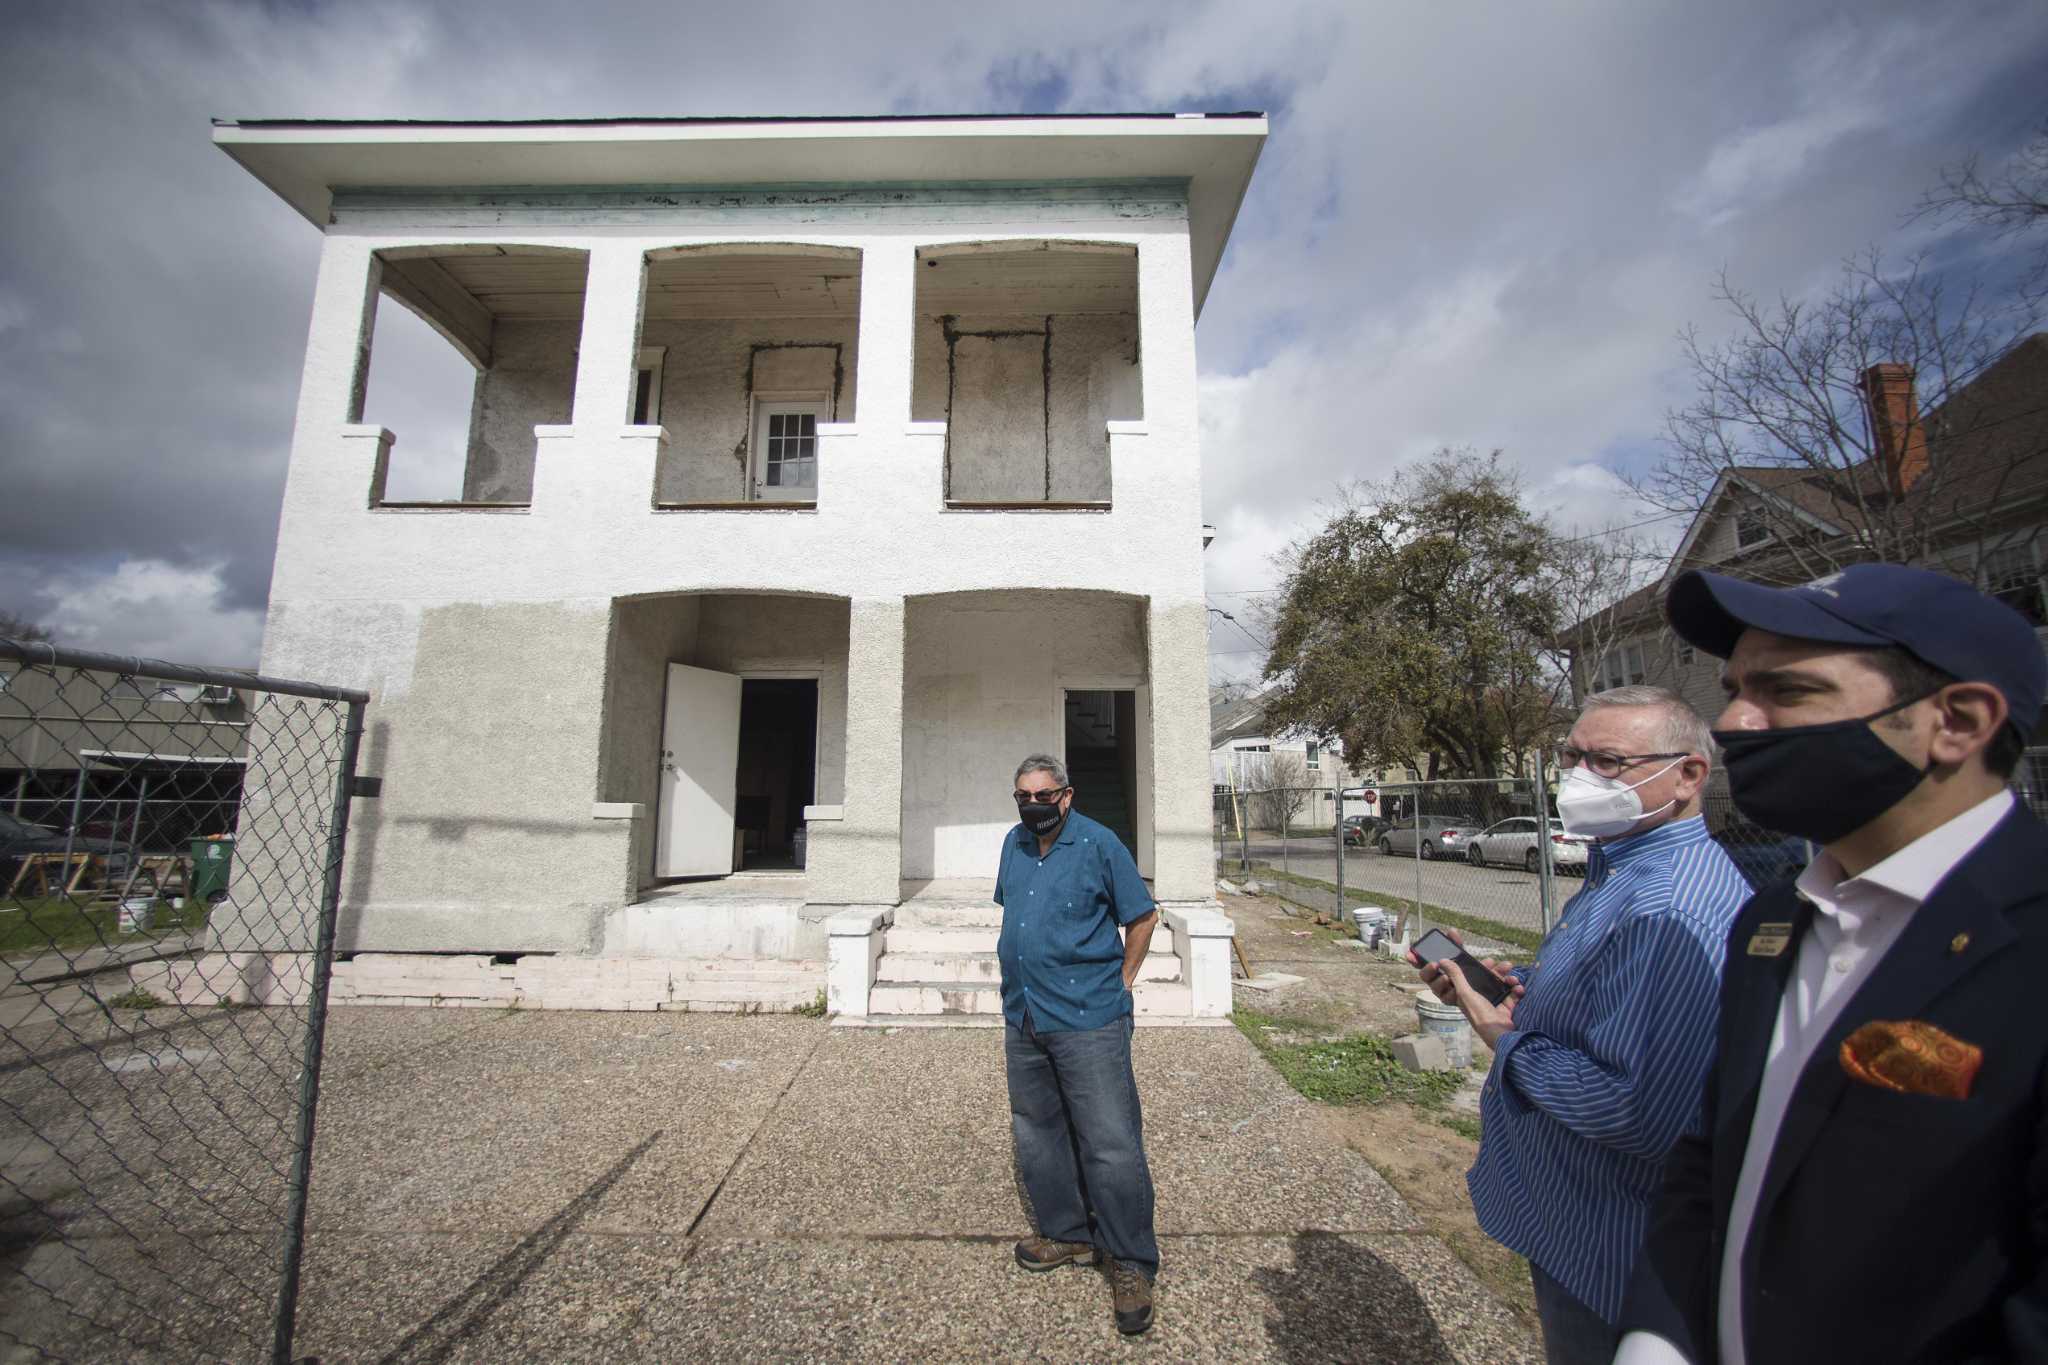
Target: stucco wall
1013,422
981,689
529,383
487,738
706,398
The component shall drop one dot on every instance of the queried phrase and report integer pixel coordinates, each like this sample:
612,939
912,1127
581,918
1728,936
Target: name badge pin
1770,940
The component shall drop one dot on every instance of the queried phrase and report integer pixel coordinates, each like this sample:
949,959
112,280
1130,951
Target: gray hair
1682,731
1043,763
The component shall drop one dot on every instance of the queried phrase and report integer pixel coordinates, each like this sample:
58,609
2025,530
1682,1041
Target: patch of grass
1524,939
136,998
814,1010
40,924
1464,1125
1358,1069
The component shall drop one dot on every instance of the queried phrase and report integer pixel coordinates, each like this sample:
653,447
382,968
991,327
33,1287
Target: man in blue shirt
1600,1057
1066,884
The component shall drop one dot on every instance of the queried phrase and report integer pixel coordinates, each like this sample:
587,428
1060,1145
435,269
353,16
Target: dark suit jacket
1889,1226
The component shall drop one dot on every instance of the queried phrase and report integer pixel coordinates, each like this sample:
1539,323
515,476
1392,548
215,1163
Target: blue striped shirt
1606,1067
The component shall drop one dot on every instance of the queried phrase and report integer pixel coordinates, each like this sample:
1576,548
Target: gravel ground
504,1185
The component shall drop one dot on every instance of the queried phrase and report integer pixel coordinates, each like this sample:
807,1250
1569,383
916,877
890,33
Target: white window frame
773,403
1686,655
1757,516
1312,756
648,362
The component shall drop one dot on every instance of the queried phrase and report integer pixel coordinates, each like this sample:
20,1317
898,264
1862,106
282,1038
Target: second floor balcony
746,358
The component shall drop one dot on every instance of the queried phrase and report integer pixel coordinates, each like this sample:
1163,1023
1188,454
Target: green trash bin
211,859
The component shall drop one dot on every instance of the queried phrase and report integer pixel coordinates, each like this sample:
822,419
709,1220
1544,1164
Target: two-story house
818,471
1969,477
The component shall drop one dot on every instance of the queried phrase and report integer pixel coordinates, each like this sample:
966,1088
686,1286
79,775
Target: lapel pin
1770,940
1958,943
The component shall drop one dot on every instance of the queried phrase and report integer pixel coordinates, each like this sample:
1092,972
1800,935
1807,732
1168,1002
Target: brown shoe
1043,1253
1132,1295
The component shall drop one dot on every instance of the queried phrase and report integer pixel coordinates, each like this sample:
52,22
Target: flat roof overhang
305,161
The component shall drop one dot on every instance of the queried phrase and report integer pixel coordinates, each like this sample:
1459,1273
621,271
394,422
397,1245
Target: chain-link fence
1471,854
1464,854
170,856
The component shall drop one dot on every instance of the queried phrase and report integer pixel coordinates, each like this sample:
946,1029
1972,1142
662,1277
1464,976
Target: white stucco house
818,470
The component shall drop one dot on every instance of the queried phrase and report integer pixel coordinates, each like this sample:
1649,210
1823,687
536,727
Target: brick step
955,941
983,967
955,997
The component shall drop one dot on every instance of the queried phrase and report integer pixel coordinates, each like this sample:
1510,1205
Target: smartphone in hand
1436,945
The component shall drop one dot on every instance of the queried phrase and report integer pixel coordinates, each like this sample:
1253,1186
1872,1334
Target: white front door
700,755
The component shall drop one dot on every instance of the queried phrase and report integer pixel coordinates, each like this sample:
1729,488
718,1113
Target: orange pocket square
1912,1058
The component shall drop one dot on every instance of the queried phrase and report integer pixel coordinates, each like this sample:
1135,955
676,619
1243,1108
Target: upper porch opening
745,349
1026,350
487,353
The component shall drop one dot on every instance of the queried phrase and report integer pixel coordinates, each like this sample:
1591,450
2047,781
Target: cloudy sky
1477,222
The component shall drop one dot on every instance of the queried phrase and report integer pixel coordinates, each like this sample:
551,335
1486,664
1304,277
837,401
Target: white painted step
984,967
955,997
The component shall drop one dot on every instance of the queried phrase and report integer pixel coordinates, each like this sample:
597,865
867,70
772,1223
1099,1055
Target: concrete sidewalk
554,1186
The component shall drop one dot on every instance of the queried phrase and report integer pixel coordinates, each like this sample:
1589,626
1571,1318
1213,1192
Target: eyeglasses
1603,763
1049,795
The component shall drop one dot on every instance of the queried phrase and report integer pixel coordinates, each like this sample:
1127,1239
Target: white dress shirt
1855,923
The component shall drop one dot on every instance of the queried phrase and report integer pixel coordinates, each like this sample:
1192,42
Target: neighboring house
819,470
152,764
1970,478
1244,755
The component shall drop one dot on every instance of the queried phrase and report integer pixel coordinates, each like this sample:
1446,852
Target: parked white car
1513,842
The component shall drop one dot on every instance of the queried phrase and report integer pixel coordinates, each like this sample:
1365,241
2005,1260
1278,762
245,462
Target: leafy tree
1425,618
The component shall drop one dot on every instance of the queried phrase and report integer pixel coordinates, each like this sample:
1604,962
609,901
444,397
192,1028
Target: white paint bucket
135,912
1448,1023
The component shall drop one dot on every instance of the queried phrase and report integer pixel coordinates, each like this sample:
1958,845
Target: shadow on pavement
1341,1302
463,1316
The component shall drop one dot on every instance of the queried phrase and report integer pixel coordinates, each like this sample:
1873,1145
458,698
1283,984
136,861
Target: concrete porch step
969,998
984,967
955,940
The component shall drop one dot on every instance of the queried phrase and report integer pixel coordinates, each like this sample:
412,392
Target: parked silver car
1442,837
1513,842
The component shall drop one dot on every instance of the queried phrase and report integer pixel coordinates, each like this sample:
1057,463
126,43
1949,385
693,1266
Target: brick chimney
1896,436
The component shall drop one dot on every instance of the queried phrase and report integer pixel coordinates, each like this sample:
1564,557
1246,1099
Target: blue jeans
1080,1148
1572,1332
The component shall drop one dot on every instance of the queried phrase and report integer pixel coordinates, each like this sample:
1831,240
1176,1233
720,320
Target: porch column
611,335
1176,639
888,308
866,861
337,369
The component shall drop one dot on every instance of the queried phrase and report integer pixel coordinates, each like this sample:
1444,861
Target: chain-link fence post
316,1034
1339,832
1547,888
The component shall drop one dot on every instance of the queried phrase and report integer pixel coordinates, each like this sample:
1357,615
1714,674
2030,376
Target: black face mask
1041,817
1818,782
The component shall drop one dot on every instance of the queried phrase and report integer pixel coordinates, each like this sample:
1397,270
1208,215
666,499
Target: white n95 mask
1596,807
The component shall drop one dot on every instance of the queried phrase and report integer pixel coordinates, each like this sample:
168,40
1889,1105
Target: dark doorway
1102,759
778,769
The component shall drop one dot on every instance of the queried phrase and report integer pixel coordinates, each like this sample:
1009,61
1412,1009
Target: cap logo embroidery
1825,583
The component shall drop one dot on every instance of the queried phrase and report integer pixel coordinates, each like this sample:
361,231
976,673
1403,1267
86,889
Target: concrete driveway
511,1186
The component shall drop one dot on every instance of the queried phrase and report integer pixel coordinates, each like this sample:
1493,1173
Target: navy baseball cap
1941,621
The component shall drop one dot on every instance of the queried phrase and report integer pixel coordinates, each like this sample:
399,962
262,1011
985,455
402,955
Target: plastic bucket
135,914
1448,1023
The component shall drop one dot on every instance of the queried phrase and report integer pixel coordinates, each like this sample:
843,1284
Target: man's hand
1437,976
1489,1021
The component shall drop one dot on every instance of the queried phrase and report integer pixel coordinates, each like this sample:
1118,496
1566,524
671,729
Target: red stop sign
1369,797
